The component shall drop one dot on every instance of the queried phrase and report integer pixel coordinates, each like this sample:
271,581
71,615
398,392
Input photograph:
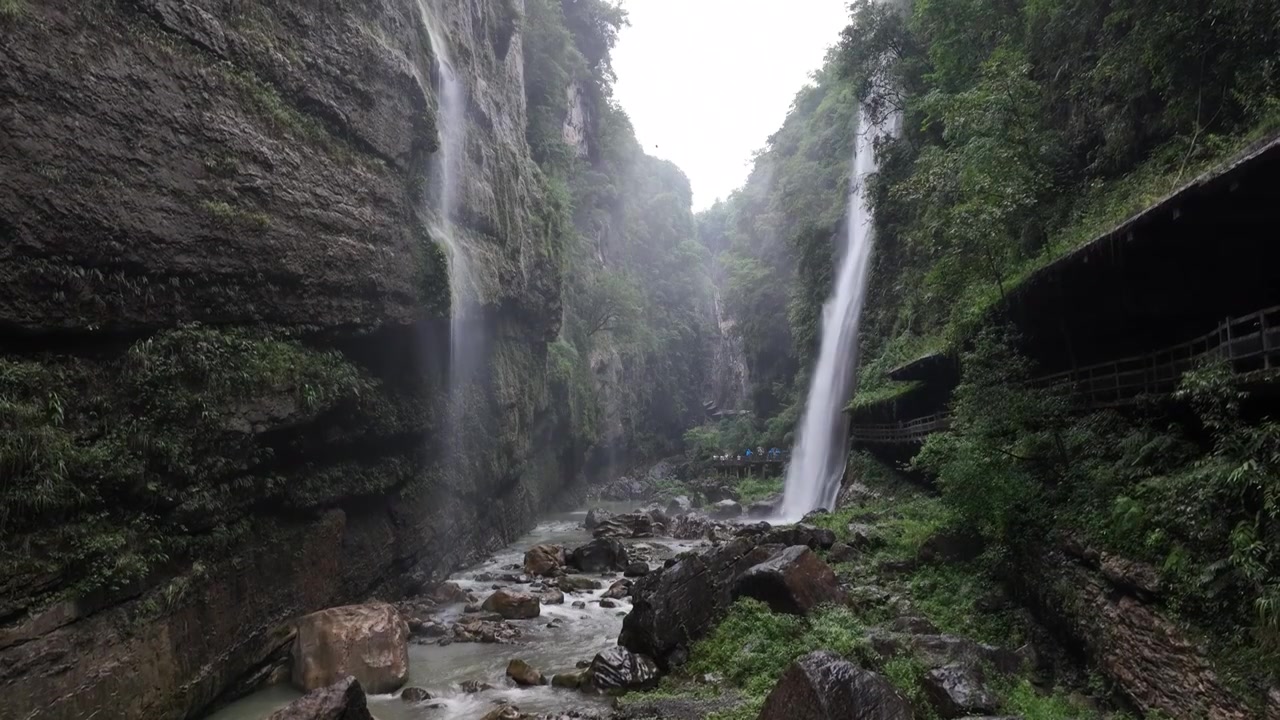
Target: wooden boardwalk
1248,344
746,467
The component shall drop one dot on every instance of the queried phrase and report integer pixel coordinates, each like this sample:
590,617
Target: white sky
706,82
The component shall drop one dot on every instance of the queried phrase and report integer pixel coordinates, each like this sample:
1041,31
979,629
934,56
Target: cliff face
223,333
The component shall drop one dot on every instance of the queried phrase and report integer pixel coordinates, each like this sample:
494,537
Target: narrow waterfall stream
578,634
813,477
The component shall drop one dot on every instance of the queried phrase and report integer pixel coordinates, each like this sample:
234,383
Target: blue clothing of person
748,453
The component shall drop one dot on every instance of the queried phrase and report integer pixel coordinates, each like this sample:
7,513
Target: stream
442,669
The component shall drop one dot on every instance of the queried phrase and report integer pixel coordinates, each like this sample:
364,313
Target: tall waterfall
817,464
452,124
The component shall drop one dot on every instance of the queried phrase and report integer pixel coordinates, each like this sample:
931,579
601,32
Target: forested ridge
1027,130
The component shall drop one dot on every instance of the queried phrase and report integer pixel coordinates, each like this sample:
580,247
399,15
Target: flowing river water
581,633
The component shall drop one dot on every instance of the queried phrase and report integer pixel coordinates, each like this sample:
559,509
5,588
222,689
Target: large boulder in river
595,516
513,605
369,642
800,534
673,607
726,509
679,505
599,555
343,700
618,670
544,560
522,673
794,581
822,686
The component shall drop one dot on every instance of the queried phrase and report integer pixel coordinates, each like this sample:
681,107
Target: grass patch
231,215
12,8
755,488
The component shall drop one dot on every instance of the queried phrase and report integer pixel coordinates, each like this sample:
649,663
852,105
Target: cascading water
817,464
452,124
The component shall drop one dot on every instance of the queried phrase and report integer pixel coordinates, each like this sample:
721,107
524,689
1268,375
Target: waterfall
817,464
451,121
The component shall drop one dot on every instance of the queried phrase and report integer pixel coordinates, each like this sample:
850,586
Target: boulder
951,546
822,685
679,604
595,516
679,505
552,597
641,524
800,534
342,700
841,552
619,589
607,603
504,712
958,690
414,694
577,583
524,674
636,569
935,651
618,670
726,509
544,560
795,581
449,592
369,642
814,514
767,507
474,686
513,605
599,555
863,536
571,680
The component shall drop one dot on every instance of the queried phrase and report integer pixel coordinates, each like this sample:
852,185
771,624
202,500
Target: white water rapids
817,463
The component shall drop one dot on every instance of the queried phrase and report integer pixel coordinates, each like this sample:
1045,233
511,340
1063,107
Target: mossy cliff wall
224,333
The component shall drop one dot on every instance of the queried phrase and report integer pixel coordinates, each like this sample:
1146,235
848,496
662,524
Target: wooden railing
1249,343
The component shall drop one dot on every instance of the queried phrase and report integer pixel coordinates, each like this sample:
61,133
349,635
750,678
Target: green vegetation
1018,465
114,469
636,284
12,8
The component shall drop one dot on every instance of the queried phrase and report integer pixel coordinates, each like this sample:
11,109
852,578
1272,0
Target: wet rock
679,505
369,642
951,546
474,686
619,589
571,680
579,604
801,534
607,603
641,524
484,631
796,581
1130,575
600,555
513,605
841,552
577,583
695,526
752,530
618,670
674,607
595,516
414,694
544,560
552,597
822,685
764,508
958,690
935,651
449,593
814,514
342,700
636,569
864,537
522,673
506,712
726,509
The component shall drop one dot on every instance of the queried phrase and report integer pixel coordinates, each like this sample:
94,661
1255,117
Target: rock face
599,555
544,560
795,581
367,642
618,670
513,605
957,691
822,685
343,700
675,606
259,168
800,534
1152,662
